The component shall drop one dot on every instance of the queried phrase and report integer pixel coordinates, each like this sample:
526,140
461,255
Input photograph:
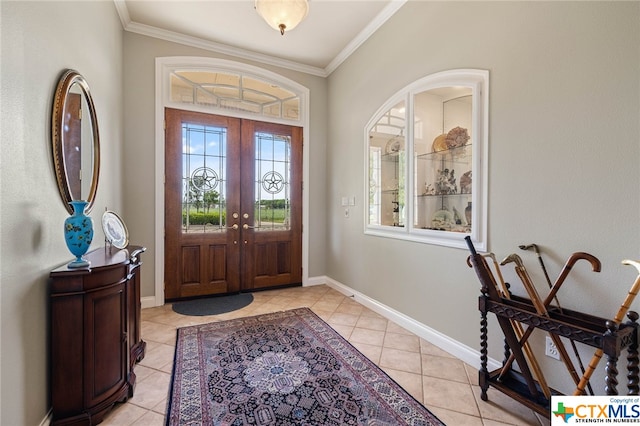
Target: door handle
235,226
245,226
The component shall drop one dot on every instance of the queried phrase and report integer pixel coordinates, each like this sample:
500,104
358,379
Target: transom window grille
234,92
204,153
273,182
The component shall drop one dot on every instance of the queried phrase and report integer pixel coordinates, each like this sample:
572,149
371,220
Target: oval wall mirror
75,139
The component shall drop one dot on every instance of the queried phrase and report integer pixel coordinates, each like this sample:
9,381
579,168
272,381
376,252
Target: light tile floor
445,385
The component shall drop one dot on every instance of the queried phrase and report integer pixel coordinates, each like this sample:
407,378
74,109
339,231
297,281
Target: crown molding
363,35
123,12
155,32
150,31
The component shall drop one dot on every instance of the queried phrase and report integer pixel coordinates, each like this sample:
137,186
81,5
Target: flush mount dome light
282,15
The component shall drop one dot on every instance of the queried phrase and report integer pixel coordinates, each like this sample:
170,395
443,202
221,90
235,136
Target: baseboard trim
444,342
316,281
148,302
47,419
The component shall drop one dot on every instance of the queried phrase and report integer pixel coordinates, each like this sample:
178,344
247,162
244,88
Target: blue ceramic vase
78,234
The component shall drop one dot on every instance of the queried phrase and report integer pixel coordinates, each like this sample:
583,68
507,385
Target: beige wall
39,41
139,162
564,151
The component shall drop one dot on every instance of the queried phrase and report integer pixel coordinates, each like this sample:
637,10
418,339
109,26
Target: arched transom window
234,92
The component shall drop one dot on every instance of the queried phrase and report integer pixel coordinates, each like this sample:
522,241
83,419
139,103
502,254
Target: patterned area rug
285,368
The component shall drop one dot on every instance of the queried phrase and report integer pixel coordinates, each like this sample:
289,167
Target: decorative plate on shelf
440,143
115,230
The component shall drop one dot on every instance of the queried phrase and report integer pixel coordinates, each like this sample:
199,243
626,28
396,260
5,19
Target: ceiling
332,30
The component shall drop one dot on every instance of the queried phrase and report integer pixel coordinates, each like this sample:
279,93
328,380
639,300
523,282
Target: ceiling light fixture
282,15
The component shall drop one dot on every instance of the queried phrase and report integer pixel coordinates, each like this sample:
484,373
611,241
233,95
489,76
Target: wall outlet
550,349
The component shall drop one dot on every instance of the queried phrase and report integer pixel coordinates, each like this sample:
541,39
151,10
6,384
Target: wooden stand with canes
608,336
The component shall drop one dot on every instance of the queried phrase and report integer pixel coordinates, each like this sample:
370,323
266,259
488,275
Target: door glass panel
204,155
273,185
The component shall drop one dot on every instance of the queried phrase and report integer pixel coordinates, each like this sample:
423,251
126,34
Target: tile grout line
318,297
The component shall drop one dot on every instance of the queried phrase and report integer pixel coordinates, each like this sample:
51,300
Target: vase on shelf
78,234
467,213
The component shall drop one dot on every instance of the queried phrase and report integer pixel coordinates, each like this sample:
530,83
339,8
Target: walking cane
633,292
546,276
566,269
490,290
517,327
541,309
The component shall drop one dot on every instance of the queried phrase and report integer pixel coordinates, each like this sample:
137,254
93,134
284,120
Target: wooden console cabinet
95,335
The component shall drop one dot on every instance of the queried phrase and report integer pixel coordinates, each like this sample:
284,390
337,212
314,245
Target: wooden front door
233,204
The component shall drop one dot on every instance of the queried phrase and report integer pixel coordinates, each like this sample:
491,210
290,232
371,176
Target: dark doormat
213,305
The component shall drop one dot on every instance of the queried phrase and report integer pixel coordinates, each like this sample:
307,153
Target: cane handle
470,245
624,308
595,266
633,292
632,263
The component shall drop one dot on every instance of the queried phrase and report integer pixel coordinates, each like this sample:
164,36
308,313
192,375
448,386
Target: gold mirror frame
58,133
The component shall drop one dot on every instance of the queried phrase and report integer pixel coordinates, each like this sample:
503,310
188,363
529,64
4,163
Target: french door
233,204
